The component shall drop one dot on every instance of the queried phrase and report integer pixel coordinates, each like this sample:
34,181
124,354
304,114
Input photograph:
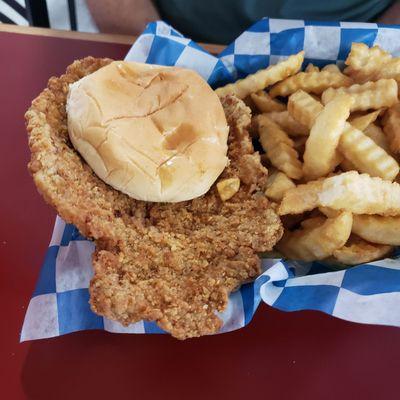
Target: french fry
263,78
332,68
370,95
329,212
316,97
311,68
376,134
366,155
320,156
377,229
391,127
227,188
358,251
347,165
390,70
350,191
363,121
300,144
277,184
372,64
288,123
348,217
264,160
279,147
364,63
314,82
250,103
336,161
312,222
291,221
317,125
349,71
304,108
302,198
370,59
265,103
317,242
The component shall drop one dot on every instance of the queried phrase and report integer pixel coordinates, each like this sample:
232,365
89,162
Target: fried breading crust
171,263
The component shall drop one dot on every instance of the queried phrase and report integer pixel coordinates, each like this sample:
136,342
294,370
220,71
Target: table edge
89,36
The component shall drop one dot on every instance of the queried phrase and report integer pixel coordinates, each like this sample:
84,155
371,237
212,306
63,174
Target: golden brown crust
172,263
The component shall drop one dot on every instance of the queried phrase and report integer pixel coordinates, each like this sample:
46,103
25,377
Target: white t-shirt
59,16
17,12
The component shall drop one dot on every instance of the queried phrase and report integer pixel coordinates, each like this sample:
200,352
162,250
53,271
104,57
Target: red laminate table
302,355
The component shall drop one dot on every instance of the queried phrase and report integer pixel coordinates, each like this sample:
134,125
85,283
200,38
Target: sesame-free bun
155,133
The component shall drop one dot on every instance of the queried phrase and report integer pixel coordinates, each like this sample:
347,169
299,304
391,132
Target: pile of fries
332,144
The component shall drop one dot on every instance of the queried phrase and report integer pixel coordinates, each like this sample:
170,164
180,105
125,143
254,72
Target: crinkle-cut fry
347,165
314,82
349,71
366,155
350,191
312,222
332,68
300,144
391,127
390,70
370,95
358,251
335,161
364,63
311,68
286,159
316,97
265,161
277,184
265,124
279,147
320,156
363,121
318,242
288,123
263,78
302,198
304,108
291,221
328,212
362,56
376,134
377,229
250,103
265,103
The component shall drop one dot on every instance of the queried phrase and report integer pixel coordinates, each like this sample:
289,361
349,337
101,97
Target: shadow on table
279,353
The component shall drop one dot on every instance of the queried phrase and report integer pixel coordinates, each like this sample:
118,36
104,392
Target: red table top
301,355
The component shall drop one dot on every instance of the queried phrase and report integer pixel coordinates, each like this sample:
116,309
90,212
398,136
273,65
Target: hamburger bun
155,133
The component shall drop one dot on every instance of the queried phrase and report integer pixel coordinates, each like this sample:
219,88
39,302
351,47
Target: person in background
214,21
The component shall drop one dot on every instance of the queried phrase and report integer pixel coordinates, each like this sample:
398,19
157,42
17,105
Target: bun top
155,133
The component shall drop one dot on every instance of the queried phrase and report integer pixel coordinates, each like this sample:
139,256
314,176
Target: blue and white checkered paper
368,293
